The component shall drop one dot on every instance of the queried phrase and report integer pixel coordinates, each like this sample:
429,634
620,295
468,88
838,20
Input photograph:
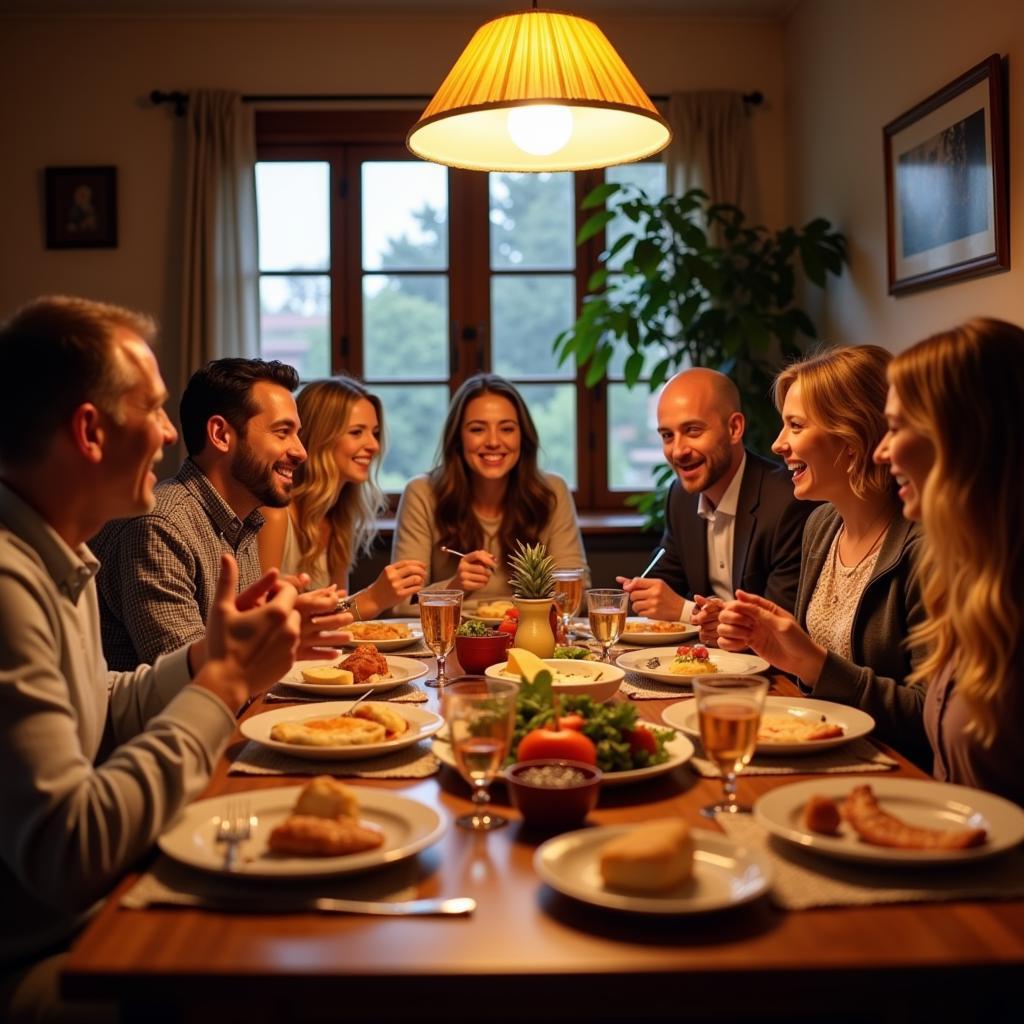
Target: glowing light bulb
541,129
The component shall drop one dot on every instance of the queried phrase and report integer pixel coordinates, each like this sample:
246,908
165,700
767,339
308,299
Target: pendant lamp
538,91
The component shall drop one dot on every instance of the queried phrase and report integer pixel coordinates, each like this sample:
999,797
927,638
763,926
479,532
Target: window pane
413,417
405,326
293,210
532,222
294,323
553,408
405,215
633,445
653,179
527,313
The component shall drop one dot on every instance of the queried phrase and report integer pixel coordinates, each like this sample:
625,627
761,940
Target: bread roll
329,676
324,797
821,814
653,857
393,721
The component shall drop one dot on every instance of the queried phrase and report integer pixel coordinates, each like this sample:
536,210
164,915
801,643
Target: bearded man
731,520
159,571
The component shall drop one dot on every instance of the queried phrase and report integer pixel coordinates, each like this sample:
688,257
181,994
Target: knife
456,906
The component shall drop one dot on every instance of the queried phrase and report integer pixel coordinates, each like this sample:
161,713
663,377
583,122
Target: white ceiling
773,9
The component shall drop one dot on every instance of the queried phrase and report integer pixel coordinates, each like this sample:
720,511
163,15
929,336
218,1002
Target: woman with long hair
955,446
858,593
485,493
332,518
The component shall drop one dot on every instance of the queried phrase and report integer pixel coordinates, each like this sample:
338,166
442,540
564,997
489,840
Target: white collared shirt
721,530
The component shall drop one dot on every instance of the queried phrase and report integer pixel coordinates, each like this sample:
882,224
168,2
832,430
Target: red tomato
642,739
700,652
684,650
562,744
572,721
512,613
509,626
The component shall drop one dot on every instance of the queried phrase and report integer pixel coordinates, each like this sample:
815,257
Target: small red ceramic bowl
552,793
477,653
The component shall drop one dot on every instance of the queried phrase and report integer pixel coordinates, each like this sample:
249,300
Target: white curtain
220,301
710,146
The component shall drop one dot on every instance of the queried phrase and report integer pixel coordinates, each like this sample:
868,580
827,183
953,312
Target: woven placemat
856,756
170,883
282,693
415,762
804,879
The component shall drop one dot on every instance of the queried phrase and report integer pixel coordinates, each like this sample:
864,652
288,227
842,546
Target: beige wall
73,91
853,66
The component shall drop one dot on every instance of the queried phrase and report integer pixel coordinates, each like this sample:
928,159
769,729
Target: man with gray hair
731,520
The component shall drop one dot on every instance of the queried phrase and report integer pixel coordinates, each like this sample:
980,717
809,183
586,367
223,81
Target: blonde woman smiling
858,594
336,500
955,447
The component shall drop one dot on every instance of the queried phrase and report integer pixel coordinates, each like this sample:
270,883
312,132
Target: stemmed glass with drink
606,610
480,714
440,611
729,711
568,597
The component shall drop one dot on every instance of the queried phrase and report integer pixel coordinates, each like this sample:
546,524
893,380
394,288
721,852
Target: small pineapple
531,571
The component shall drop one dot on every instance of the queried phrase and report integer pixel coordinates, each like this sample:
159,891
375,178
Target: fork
234,827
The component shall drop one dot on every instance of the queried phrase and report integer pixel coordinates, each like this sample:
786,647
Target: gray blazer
890,605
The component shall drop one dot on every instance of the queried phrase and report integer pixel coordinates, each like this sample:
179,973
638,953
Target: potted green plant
532,580
690,283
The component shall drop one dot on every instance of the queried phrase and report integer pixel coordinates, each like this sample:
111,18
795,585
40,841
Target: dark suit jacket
766,539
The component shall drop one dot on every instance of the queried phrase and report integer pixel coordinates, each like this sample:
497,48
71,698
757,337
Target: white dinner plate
725,874
396,643
679,750
422,723
640,635
854,722
923,803
401,670
653,663
408,827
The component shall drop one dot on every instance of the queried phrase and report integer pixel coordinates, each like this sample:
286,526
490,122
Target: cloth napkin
415,762
804,879
854,757
170,882
281,693
638,687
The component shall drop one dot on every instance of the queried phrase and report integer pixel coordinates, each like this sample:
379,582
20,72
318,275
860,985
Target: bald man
731,520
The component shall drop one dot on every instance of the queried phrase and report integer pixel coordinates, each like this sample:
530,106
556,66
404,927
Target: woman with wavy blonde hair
955,446
336,499
858,593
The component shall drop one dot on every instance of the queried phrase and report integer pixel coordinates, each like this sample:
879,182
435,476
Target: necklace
874,544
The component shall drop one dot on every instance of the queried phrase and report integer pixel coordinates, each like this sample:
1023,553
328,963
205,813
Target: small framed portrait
81,207
946,183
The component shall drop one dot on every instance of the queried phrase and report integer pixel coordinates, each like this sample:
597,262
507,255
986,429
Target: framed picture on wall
81,207
946,183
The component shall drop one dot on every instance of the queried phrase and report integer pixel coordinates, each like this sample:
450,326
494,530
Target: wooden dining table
529,953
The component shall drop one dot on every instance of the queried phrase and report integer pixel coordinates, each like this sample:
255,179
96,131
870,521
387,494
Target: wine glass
440,611
568,596
729,711
480,714
607,613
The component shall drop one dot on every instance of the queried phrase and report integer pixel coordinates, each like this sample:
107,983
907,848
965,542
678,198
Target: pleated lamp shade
547,65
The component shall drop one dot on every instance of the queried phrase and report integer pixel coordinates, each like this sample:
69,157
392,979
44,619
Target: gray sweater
890,605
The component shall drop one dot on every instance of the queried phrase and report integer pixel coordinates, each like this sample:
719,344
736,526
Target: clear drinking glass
480,714
568,598
440,611
607,612
729,711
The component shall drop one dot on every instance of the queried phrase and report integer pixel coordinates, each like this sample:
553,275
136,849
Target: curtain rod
180,99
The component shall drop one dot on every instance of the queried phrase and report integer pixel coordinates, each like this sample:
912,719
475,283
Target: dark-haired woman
484,495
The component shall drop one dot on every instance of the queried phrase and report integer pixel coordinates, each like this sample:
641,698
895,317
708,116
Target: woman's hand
322,627
396,582
773,633
474,571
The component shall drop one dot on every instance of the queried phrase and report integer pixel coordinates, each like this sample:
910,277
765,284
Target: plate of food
385,634
892,821
491,612
677,666
323,828
364,670
329,733
656,867
789,725
656,631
